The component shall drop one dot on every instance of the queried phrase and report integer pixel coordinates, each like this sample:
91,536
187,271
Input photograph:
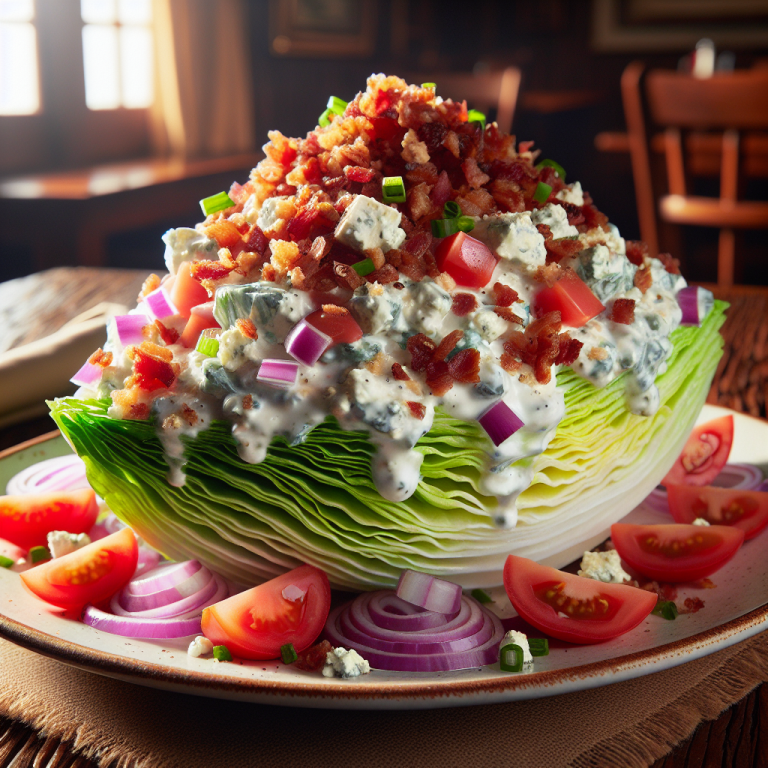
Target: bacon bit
418,245
463,304
418,411
334,309
398,373
442,190
445,281
509,363
268,273
637,250
399,286
439,378
474,176
597,353
346,277
691,605
152,367
557,250
592,217
247,328
506,313
464,366
100,357
671,264
394,256
376,255
413,266
663,590
285,255
421,349
548,274
256,241
447,345
505,296
525,146
168,335
538,346
226,258
508,195
414,151
623,311
426,173
378,364
209,270
247,261
357,173
575,216
569,350
419,202
643,279
139,412
152,283
321,246
247,402
189,415
387,274
148,348
313,658
225,233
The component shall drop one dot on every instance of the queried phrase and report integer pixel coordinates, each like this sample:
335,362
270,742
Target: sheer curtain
204,96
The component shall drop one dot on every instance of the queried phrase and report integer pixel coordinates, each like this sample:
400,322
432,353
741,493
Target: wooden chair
679,103
484,91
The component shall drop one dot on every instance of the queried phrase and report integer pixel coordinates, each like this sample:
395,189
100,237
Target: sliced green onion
547,163
5,562
38,554
511,658
393,189
451,210
325,119
481,596
444,227
336,105
221,653
666,609
465,223
473,116
216,203
542,193
206,346
288,653
539,646
431,86
364,267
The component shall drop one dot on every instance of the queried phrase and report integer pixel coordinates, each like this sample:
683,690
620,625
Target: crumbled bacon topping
597,353
637,251
168,335
671,264
643,279
538,346
623,311
506,313
313,658
189,415
418,411
152,283
398,373
463,304
247,402
101,358
505,295
247,328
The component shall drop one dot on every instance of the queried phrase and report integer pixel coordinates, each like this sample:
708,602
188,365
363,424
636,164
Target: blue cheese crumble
344,663
200,646
603,566
368,224
61,543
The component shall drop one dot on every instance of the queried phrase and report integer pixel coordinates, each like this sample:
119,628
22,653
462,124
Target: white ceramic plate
735,610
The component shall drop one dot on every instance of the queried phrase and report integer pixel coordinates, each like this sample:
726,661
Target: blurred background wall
226,72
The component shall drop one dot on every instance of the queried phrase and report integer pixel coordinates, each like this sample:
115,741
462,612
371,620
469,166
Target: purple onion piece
695,302
189,586
388,611
500,422
129,328
278,373
428,592
159,304
164,576
63,473
306,343
88,375
127,626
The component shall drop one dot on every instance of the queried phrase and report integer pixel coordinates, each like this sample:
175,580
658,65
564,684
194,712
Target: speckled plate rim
417,693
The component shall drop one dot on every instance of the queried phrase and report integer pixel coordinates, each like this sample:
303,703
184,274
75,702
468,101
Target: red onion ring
388,611
429,592
163,576
63,473
189,586
141,628
469,639
193,602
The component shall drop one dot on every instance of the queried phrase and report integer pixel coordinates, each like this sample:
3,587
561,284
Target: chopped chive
325,119
511,658
539,646
206,346
465,223
473,116
444,227
393,189
288,653
5,562
364,267
542,193
221,653
430,86
451,210
336,105
547,163
39,554
666,609
216,203
481,596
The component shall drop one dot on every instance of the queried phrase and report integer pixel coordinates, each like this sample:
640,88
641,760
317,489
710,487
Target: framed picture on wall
330,28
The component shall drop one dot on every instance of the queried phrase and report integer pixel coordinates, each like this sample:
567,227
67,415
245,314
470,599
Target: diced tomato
572,298
676,553
573,608
187,292
27,519
87,575
340,326
255,624
747,510
704,455
468,261
200,319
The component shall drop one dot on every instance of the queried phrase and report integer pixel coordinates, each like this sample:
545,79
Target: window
117,53
19,81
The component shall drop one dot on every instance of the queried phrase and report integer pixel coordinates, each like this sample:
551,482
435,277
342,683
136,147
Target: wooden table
741,383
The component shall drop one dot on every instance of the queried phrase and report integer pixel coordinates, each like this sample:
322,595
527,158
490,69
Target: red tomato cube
339,324
572,298
201,317
468,261
186,291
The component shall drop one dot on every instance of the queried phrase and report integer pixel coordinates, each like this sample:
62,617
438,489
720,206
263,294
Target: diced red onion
469,638
88,375
429,593
148,559
159,304
741,477
64,473
278,373
142,628
129,328
500,422
306,343
695,302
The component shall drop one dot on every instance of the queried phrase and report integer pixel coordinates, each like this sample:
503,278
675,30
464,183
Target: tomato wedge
468,261
255,624
746,510
675,552
200,318
88,575
187,292
704,455
27,519
572,298
573,608
338,324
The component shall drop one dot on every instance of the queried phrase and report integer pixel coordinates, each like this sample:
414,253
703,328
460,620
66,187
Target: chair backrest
483,91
